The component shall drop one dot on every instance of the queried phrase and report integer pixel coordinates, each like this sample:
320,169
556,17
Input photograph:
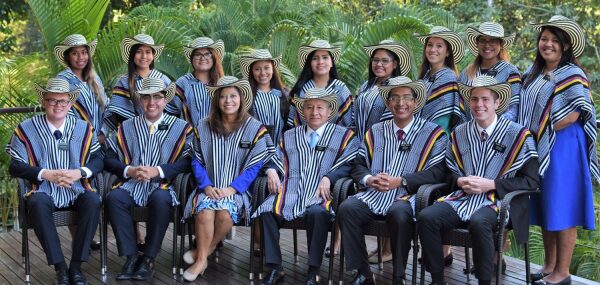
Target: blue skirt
566,199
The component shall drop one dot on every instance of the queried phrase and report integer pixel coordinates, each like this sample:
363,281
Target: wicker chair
461,237
62,217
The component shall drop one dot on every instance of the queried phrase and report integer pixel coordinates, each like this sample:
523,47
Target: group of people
486,131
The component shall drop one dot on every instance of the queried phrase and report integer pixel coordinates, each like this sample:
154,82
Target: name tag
432,79
320,148
404,147
492,72
163,127
244,144
499,147
63,146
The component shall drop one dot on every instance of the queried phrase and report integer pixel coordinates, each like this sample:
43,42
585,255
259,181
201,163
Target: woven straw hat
402,81
232,81
257,55
488,82
405,63
304,51
56,85
489,29
456,43
153,85
74,40
570,27
140,39
317,93
204,42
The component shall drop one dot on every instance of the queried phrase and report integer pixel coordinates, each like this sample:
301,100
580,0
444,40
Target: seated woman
231,149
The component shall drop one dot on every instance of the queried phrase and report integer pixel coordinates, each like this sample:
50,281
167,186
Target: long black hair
307,74
132,72
396,72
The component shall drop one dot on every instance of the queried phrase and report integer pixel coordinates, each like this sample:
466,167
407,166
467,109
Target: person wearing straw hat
140,53
556,105
318,63
508,150
75,54
391,150
58,153
443,49
315,155
192,101
490,46
231,149
146,152
271,99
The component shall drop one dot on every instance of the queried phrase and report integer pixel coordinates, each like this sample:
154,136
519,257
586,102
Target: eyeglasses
400,99
155,97
206,55
54,102
492,41
383,61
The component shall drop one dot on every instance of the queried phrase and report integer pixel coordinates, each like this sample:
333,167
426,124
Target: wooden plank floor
231,268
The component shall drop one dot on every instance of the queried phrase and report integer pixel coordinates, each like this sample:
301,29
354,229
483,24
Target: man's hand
384,182
324,189
273,182
148,172
52,176
68,177
475,185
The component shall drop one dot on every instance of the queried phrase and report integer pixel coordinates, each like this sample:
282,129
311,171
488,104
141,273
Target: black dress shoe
95,245
62,277
363,279
129,268
77,278
312,280
473,270
274,277
538,276
141,247
566,281
447,260
145,270
400,282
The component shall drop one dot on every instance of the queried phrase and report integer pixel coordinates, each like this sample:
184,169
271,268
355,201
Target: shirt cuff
39,177
125,172
364,180
88,172
160,172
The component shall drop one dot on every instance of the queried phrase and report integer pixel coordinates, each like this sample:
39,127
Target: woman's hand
273,182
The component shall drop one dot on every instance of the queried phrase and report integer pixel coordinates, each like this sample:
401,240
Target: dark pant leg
41,209
481,228
317,224
433,221
119,203
87,206
160,207
352,216
270,236
401,225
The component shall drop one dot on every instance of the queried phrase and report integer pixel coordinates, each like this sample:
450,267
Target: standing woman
192,102
386,60
231,148
555,104
139,53
490,46
271,102
317,61
75,54
442,51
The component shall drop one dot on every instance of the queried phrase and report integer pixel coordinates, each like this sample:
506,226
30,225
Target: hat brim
169,91
405,63
41,91
247,61
218,46
456,43
502,89
128,43
572,29
473,33
331,99
304,51
244,88
59,51
417,86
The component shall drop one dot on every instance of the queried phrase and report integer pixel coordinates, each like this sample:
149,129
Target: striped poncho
442,97
192,101
266,107
369,109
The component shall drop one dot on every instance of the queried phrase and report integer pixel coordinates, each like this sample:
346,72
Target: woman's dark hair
567,55
396,72
448,61
276,83
216,71
131,72
89,75
307,74
215,116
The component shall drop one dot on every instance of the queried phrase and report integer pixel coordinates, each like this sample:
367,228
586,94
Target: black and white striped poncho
344,111
369,109
442,96
266,107
192,101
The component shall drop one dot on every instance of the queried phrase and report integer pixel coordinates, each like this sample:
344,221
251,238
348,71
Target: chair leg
527,265
175,251
182,246
341,273
26,252
104,241
380,253
422,270
415,254
252,231
499,257
261,260
468,261
332,253
295,246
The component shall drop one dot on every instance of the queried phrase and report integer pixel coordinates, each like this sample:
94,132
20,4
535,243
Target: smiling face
153,106
230,101
436,51
143,58
549,47
383,64
483,103
77,57
56,106
321,62
262,72
316,112
488,47
202,59
401,102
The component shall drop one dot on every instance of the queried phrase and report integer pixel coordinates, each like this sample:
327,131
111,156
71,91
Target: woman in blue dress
555,104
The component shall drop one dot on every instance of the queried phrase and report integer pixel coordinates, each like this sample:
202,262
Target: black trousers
317,221
439,217
354,215
41,207
119,203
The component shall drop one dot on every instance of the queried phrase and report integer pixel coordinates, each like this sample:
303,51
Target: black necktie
484,136
57,134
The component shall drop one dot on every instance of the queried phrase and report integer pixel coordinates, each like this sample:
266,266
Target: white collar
405,129
53,128
319,131
148,123
490,128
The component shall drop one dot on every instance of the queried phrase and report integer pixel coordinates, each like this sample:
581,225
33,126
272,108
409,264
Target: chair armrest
178,183
98,181
427,194
258,192
340,190
507,200
110,180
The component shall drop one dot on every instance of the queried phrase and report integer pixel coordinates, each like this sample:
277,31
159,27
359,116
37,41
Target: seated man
58,154
146,152
487,158
315,156
391,150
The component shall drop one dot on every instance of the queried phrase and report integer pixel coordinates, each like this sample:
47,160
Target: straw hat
153,85
317,93
74,40
304,51
405,63
232,81
489,29
257,55
456,43
488,82
570,27
56,85
402,81
204,42
140,39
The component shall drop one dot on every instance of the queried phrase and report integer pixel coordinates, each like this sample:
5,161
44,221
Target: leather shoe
447,260
312,280
400,282
473,270
77,278
129,268
95,245
328,252
62,277
538,276
361,279
566,281
146,269
274,277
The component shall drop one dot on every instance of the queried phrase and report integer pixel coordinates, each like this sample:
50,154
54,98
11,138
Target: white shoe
187,276
188,258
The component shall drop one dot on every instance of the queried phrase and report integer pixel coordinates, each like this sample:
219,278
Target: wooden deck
231,268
